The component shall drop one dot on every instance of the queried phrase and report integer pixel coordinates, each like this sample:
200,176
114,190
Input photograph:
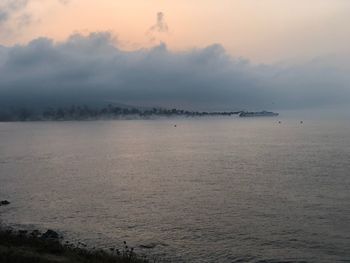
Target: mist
93,70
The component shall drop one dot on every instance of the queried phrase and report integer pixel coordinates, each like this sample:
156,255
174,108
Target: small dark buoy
279,122
175,126
301,122
4,202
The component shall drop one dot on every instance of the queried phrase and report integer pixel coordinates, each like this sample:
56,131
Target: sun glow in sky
261,30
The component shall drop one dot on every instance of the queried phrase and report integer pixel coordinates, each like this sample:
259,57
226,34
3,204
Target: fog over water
92,69
208,190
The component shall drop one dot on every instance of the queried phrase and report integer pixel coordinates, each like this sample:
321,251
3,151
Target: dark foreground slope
24,247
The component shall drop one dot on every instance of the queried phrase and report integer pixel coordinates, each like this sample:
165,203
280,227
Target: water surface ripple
208,190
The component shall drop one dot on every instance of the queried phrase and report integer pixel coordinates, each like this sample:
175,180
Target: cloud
64,2
18,10
25,20
15,5
160,27
3,16
10,7
93,70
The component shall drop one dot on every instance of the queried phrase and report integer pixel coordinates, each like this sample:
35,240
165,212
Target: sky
201,54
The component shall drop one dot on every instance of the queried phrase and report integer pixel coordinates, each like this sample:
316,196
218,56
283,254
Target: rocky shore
23,246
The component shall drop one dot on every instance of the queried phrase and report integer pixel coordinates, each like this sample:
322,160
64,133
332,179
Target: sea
218,189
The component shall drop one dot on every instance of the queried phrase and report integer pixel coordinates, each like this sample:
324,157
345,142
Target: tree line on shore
109,112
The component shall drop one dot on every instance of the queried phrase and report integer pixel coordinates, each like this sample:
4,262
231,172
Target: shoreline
108,112
26,246
126,118
34,246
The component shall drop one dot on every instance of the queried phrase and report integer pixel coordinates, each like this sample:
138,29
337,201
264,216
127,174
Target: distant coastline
258,114
110,112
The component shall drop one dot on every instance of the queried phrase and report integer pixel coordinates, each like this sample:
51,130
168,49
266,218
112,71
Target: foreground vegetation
34,247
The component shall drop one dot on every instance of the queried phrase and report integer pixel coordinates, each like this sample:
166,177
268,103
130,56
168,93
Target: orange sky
262,30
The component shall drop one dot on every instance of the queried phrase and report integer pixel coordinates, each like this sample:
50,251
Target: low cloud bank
16,14
92,70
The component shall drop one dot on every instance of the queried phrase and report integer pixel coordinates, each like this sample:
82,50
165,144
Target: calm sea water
208,190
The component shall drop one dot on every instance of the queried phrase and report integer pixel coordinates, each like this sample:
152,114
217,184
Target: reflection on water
208,190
